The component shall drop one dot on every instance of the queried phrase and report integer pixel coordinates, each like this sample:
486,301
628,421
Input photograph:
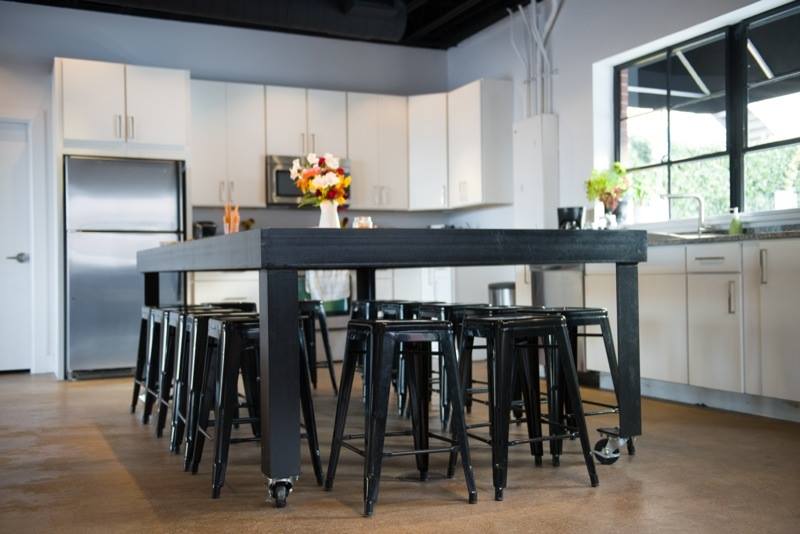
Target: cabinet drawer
716,258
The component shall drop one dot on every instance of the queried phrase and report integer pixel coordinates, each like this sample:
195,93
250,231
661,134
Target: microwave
280,186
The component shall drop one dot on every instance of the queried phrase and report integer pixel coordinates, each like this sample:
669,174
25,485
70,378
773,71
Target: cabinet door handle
385,195
313,142
444,196
762,263
222,191
731,297
525,272
303,143
710,258
230,191
118,126
132,132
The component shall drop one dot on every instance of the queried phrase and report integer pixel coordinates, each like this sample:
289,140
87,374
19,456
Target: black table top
331,248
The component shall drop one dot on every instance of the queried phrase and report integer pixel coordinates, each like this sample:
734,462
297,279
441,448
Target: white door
93,96
286,121
662,327
207,164
427,151
247,157
362,141
327,122
157,105
15,245
780,293
464,142
715,331
393,151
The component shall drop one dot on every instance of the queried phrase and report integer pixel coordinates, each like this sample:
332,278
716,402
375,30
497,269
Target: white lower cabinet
226,287
715,331
780,295
434,284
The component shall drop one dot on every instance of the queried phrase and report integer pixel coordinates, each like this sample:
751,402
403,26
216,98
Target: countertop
779,232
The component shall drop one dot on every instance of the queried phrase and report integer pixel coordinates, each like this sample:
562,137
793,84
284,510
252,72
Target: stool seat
401,325
571,313
514,321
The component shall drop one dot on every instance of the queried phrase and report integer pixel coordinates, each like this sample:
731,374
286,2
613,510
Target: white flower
312,159
296,169
331,161
327,180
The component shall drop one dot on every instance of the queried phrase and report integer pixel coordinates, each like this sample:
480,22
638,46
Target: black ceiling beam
441,21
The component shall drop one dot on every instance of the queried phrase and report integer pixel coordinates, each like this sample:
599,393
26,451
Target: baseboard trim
723,400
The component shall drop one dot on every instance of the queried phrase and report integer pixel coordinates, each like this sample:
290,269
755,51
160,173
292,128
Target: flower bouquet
321,179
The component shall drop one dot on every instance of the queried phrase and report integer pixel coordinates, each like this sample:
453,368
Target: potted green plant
609,187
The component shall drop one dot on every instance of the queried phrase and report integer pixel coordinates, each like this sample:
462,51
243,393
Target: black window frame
736,93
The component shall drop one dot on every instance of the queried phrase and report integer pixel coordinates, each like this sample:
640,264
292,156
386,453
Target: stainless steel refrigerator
115,207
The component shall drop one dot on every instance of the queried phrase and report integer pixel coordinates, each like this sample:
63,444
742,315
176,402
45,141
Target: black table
278,254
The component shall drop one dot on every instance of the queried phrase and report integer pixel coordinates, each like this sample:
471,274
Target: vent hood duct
372,20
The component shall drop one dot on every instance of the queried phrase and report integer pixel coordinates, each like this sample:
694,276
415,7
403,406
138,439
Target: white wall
585,32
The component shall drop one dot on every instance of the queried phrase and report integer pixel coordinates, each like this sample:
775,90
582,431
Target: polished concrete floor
72,459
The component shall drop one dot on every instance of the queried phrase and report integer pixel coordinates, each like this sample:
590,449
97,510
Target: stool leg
249,363
613,367
326,344
385,350
207,393
152,367
165,378
530,394
465,365
141,358
227,400
342,403
307,404
311,347
573,390
553,394
503,366
197,364
458,427
179,397
418,389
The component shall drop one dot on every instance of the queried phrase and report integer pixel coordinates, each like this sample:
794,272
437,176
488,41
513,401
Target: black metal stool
380,341
152,336
607,448
233,348
190,343
315,312
511,340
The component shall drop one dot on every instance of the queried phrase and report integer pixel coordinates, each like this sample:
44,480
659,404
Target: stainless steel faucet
700,218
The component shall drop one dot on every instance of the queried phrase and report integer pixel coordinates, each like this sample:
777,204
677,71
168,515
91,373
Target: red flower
321,162
340,171
331,194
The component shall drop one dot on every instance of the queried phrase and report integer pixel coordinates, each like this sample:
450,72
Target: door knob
20,257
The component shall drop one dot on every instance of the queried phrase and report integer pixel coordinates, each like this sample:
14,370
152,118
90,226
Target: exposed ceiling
419,23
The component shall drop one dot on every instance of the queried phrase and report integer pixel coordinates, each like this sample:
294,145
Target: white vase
328,214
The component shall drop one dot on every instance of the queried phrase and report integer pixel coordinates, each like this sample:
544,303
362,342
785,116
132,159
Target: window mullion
736,109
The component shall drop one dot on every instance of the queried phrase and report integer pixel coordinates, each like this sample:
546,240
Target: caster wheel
631,447
279,493
556,461
603,454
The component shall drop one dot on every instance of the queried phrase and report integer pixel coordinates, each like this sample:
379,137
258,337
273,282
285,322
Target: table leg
280,380
151,289
365,284
630,406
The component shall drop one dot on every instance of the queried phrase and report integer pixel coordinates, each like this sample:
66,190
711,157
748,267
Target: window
717,116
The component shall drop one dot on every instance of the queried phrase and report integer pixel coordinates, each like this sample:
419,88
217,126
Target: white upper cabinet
327,122
137,109
246,147
228,154
780,292
286,121
208,160
479,127
93,101
300,121
378,151
158,105
393,151
427,152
